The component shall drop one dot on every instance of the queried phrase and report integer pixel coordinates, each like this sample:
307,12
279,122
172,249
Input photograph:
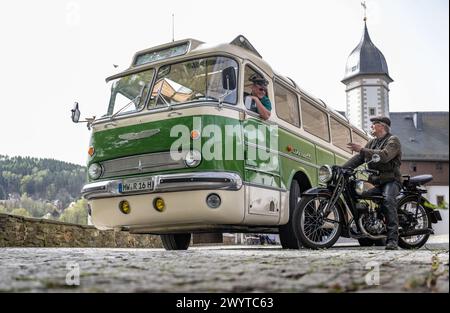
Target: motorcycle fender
322,191
318,191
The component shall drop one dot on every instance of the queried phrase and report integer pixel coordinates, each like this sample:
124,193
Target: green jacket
390,151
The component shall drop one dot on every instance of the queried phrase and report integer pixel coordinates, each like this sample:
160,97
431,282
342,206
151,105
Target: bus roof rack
243,42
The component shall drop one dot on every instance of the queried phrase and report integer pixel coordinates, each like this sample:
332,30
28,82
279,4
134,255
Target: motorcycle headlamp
359,187
325,174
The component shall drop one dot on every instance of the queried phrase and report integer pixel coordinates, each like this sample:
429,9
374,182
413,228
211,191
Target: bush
21,212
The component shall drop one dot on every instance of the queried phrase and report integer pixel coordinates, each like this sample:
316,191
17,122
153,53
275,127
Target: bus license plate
135,185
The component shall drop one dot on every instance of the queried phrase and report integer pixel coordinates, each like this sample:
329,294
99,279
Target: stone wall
17,231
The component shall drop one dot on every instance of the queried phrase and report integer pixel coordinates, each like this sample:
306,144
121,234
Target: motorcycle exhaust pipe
417,232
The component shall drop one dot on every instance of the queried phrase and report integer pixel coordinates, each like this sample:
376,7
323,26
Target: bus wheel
176,241
287,235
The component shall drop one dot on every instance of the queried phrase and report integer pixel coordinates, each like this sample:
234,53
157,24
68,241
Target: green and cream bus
178,152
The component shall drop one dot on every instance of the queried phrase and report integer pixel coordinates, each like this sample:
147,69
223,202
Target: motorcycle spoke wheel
423,222
318,229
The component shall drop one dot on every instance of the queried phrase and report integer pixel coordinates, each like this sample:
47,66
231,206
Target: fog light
159,204
124,207
213,201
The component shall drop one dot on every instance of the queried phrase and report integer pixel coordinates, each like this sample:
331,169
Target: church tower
367,83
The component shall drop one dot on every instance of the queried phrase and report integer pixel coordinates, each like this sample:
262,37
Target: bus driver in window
258,101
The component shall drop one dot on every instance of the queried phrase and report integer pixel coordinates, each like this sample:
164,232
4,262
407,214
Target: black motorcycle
345,208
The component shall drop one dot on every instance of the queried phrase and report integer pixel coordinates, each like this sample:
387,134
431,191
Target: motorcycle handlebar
375,172
350,171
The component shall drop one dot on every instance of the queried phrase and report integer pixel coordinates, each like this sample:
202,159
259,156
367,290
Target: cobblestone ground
225,269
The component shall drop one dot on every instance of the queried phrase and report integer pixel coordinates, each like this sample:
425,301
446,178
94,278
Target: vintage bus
178,152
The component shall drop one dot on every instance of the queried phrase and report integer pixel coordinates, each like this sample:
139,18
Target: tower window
372,111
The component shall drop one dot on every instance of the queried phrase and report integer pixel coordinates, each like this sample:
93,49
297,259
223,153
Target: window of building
372,111
340,134
439,166
315,121
413,167
440,200
286,105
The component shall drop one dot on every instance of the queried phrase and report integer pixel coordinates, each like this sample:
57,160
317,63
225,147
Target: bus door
262,170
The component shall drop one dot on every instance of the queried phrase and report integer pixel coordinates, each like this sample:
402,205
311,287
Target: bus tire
287,235
176,241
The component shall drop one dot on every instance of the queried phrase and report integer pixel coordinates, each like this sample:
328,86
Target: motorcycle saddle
418,180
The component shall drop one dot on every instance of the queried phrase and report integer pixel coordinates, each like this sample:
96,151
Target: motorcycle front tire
300,233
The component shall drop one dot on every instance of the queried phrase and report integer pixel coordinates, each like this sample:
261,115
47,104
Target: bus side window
315,121
248,73
286,105
340,134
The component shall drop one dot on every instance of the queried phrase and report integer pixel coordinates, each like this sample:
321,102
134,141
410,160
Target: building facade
424,139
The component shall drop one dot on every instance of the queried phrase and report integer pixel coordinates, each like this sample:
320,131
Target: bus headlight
95,171
193,158
325,173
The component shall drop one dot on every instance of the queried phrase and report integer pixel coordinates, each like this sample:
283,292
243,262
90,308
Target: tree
76,213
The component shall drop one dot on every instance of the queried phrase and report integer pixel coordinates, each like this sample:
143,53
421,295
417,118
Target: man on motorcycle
388,182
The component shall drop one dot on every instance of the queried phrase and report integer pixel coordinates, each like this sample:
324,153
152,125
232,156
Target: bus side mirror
229,78
75,113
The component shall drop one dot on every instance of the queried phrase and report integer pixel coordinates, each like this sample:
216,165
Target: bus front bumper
165,183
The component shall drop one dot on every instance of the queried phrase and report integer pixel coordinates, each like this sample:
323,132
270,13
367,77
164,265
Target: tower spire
363,4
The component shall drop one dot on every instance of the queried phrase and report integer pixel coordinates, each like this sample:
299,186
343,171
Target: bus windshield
129,93
194,80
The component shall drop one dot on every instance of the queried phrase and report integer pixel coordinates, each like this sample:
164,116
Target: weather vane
363,3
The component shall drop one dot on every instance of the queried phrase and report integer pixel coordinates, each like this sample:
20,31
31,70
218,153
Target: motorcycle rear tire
402,243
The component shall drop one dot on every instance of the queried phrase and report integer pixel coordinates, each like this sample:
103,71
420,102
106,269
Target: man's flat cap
381,119
256,79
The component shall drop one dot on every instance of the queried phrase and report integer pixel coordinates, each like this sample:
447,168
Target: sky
56,52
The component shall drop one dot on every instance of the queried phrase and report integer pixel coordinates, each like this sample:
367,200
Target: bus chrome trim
255,169
165,183
299,160
265,186
140,164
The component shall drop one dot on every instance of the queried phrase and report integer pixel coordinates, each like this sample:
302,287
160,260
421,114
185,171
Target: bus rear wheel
287,235
176,241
